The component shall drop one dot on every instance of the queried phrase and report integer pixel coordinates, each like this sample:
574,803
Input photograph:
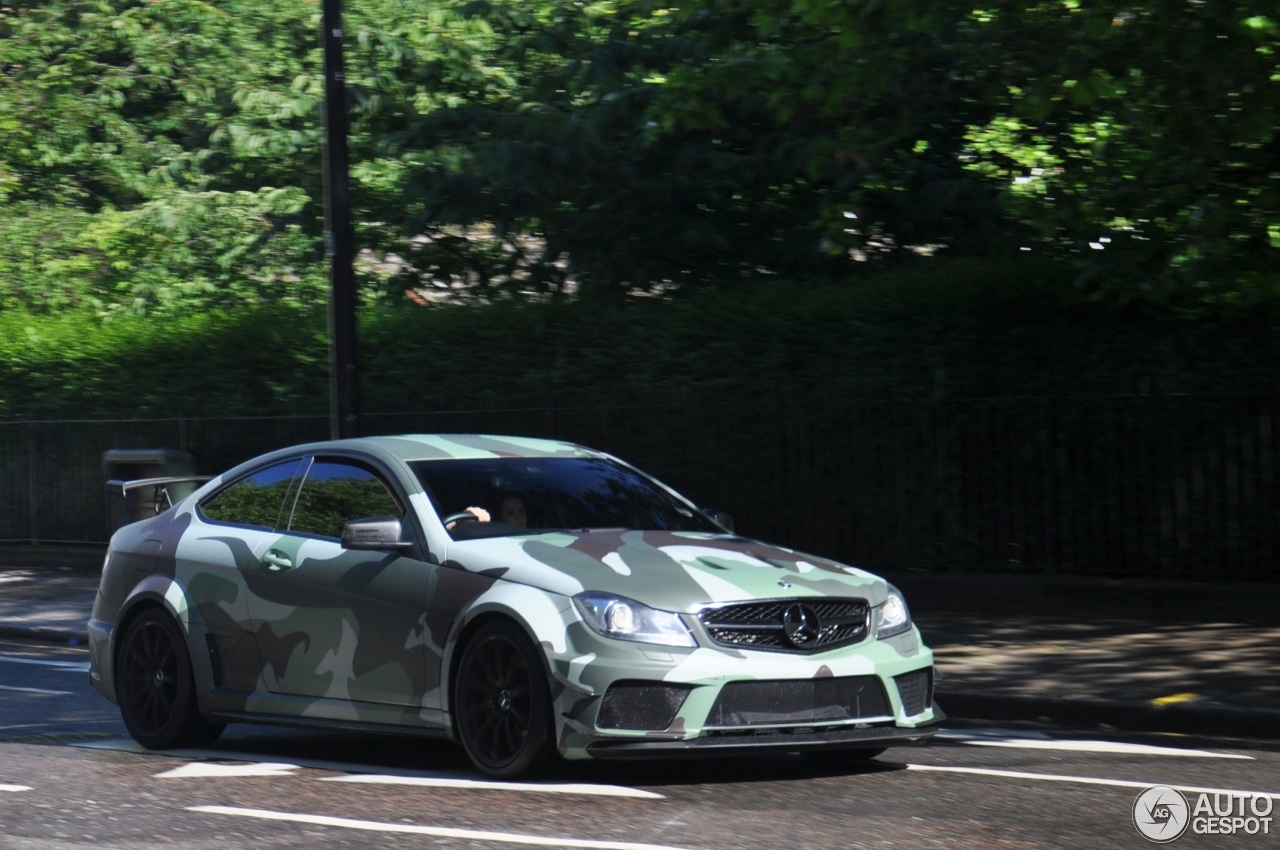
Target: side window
255,499
336,491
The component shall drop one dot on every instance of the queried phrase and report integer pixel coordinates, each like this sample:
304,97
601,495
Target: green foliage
937,329
163,156
933,329
73,364
249,503
324,505
139,144
1141,139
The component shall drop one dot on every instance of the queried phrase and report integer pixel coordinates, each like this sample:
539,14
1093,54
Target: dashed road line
482,785
16,788
215,770
44,691
1038,741
1083,780
213,764
434,831
62,666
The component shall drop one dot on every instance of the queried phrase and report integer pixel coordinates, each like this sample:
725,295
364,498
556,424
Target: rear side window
257,499
337,491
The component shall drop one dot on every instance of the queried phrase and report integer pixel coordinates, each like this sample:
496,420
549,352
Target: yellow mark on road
1175,698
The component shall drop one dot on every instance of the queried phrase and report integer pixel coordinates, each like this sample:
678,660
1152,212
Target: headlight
626,619
894,616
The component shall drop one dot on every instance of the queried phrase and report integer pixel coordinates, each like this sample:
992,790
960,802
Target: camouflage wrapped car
529,599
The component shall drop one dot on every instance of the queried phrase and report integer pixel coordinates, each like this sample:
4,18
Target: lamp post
344,390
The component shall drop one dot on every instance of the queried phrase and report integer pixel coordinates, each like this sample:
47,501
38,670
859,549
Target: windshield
528,495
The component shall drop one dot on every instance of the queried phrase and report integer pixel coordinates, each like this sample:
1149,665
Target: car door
233,528
337,623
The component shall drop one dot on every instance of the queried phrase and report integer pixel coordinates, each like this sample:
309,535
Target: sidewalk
1125,655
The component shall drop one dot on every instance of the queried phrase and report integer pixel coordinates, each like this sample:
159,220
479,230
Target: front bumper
101,669
765,741
620,701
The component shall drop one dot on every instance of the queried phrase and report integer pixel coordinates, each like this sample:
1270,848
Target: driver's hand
479,513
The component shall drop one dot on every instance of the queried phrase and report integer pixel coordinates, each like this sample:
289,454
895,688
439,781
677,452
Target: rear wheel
502,702
156,688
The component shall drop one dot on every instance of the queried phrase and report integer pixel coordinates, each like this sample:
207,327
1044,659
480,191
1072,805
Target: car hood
673,571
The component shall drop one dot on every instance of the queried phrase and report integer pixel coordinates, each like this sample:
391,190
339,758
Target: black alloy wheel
155,686
502,702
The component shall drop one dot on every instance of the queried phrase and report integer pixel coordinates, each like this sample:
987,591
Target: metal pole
344,408
33,483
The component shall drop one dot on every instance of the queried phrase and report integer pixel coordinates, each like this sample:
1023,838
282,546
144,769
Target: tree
611,146
171,136
1142,138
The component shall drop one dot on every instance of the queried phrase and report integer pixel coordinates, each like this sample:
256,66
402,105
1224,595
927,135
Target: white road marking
1037,741
435,831
33,690
481,785
358,772
1084,780
64,666
210,770
15,788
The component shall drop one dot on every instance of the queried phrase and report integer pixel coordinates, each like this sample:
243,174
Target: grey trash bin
126,504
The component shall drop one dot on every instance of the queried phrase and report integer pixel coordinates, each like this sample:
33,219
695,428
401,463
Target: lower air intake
799,702
915,690
647,706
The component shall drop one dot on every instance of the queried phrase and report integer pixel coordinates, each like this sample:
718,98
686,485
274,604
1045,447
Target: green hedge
935,329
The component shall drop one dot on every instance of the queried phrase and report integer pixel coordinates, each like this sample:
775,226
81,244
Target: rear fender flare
159,591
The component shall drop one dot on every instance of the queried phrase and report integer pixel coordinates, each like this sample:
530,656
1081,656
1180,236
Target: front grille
788,625
801,701
915,690
647,706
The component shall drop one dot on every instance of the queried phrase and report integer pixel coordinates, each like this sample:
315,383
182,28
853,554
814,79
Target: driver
513,512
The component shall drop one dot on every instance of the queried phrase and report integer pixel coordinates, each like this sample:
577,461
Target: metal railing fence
1179,486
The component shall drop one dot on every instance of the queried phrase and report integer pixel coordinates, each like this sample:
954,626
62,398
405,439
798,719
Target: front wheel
156,688
502,702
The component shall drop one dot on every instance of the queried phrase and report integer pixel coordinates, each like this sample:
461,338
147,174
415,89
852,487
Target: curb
1189,718
79,559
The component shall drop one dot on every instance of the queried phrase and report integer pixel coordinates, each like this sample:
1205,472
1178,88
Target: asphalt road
70,778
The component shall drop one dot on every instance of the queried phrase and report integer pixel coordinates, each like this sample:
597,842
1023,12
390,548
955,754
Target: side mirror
720,518
376,534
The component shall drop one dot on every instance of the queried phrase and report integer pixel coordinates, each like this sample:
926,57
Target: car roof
409,448
412,447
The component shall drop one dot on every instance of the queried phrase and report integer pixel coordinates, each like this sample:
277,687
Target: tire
502,703
155,686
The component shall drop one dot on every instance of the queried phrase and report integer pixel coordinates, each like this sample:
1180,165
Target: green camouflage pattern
339,636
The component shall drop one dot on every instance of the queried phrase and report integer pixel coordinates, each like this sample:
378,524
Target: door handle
276,560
